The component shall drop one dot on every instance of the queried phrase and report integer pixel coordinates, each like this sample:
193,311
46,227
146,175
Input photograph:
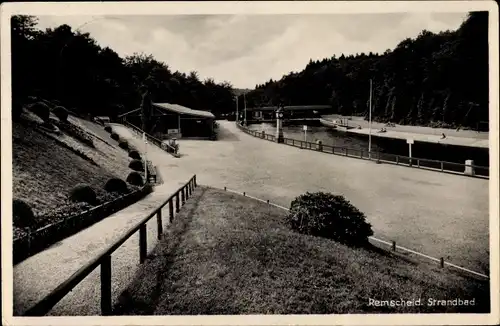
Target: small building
290,112
175,121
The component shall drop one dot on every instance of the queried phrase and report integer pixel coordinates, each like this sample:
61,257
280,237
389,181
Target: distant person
443,136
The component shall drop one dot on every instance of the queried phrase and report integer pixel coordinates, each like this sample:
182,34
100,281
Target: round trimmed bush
136,165
135,179
61,113
123,144
108,129
116,185
135,155
83,193
41,109
115,136
22,215
329,216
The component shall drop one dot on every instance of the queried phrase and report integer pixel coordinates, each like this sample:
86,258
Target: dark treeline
71,68
433,79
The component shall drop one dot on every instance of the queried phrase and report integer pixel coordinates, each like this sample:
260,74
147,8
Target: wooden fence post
106,302
194,179
159,224
441,263
183,197
186,190
394,246
143,243
171,210
177,208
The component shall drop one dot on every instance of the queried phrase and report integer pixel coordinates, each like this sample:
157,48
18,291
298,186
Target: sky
246,50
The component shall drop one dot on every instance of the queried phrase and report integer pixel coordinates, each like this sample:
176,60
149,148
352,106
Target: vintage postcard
250,163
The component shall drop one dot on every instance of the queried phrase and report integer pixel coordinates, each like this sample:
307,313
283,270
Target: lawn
46,168
229,254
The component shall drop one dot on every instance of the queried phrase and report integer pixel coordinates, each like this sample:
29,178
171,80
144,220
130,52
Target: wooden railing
379,157
155,141
175,201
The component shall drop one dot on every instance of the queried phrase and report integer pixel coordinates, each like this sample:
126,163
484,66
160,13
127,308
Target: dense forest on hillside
433,79
71,68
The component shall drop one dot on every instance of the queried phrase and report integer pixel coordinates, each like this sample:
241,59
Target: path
436,139
435,213
38,275
414,129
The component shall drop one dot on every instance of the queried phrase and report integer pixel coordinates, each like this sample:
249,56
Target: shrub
116,185
17,111
41,109
123,144
83,193
108,129
135,179
330,216
61,113
134,154
136,165
22,215
115,136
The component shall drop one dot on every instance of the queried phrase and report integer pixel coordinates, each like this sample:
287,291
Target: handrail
373,156
104,259
152,139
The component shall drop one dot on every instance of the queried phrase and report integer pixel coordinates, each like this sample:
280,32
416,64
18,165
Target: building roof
127,113
184,110
291,108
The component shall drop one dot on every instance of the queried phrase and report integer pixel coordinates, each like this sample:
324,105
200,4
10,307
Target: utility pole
237,113
245,106
370,124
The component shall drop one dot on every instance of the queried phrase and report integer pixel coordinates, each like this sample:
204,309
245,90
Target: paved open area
439,214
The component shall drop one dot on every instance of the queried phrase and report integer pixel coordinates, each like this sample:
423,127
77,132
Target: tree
429,77
71,68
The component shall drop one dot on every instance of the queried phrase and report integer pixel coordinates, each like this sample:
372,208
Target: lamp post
237,113
245,106
279,125
370,125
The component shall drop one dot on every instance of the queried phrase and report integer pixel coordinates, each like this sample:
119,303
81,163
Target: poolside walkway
38,275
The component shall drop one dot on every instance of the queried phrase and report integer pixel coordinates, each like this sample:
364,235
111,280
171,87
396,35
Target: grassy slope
44,172
227,254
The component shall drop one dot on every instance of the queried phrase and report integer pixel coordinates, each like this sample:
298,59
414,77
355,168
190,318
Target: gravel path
439,214
35,277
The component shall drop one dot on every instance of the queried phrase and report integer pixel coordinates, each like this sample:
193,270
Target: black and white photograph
250,163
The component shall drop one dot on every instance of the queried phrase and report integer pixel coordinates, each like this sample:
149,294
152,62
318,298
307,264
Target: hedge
330,216
135,155
22,214
135,178
116,185
83,193
136,165
61,113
